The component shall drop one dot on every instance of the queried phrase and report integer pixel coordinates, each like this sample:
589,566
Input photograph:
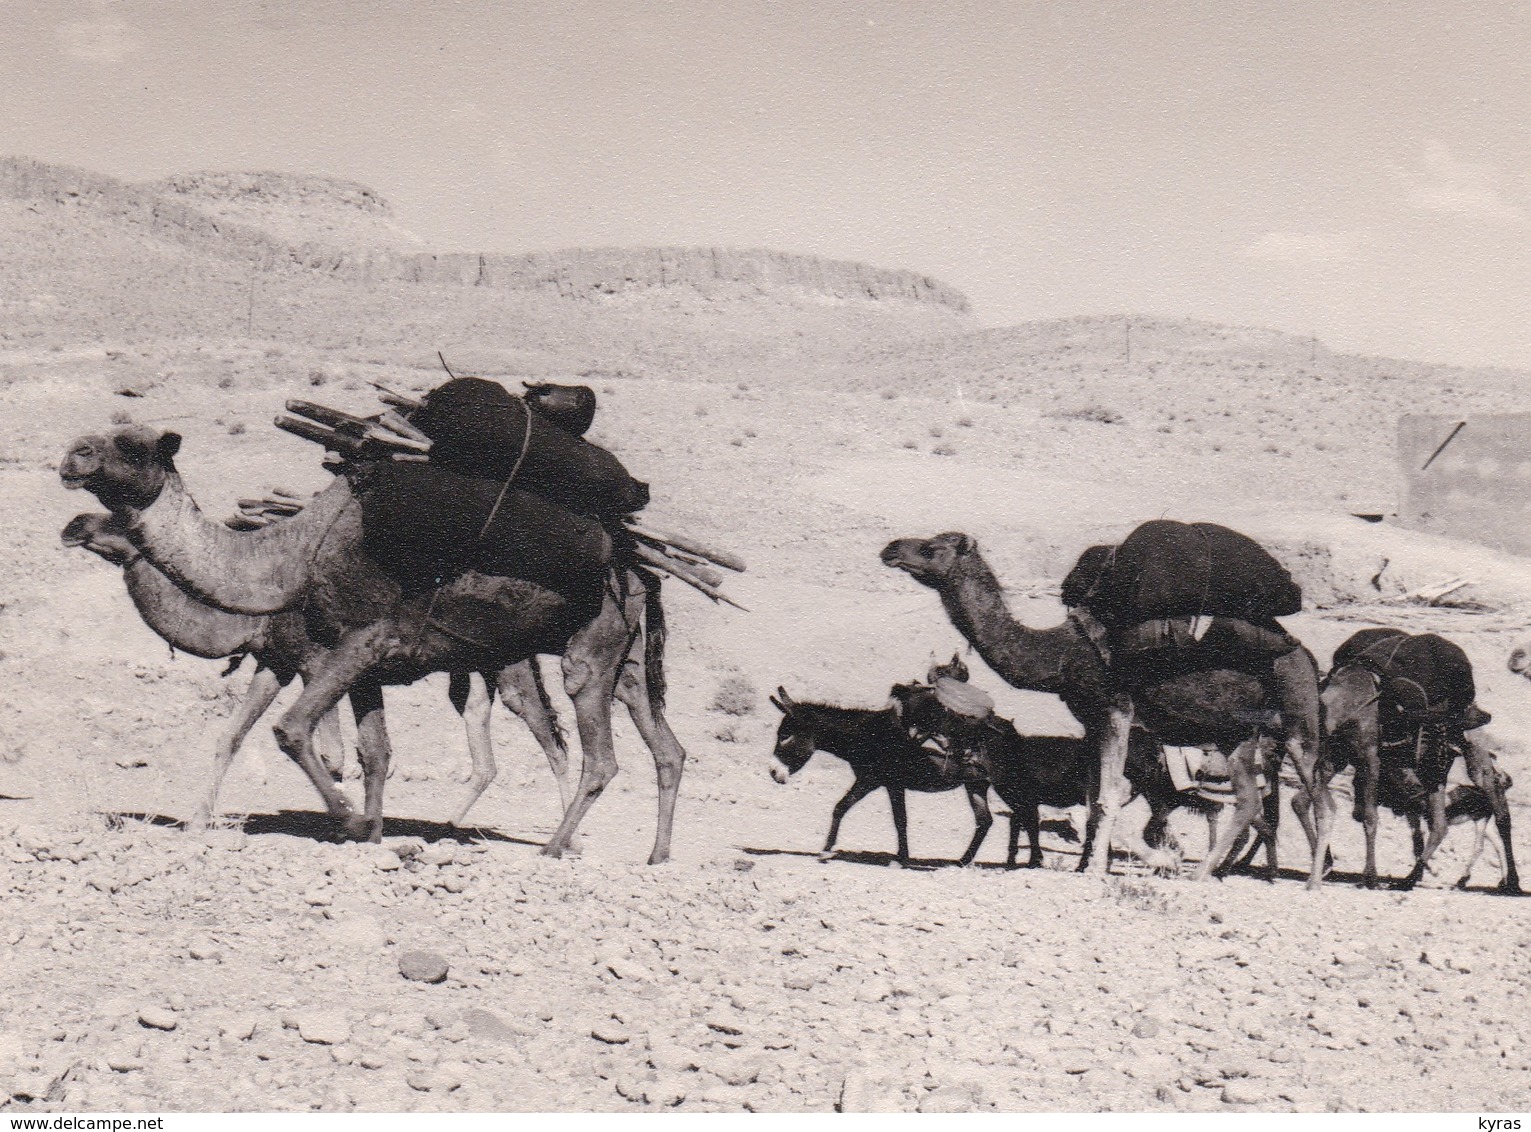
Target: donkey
882,755
1030,771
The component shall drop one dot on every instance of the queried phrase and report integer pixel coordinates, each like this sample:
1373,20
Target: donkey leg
1485,775
264,686
859,790
669,755
978,798
900,821
1031,815
1012,850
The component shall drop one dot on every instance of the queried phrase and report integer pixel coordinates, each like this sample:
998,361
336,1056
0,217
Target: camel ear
966,544
164,452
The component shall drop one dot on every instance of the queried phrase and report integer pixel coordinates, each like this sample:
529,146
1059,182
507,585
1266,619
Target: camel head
100,534
124,469
794,743
929,561
1520,660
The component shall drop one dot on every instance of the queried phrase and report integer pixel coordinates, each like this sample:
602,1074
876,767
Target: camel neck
1024,657
249,572
183,622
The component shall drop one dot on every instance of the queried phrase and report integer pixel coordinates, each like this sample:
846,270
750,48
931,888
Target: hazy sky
1358,170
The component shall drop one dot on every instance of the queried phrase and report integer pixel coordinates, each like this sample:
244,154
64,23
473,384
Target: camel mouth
73,481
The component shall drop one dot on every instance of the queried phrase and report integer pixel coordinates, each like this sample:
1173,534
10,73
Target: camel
283,649
378,634
1356,734
1221,706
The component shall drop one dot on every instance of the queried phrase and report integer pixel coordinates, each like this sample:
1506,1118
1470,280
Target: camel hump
1428,679
570,407
1169,569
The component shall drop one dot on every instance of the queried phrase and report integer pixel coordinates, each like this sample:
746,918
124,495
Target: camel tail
653,639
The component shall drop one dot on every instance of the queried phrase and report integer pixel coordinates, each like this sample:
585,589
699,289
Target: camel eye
927,552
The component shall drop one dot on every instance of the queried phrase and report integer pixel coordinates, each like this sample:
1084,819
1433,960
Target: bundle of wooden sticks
389,435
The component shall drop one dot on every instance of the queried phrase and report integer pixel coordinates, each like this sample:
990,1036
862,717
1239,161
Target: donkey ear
169,444
777,704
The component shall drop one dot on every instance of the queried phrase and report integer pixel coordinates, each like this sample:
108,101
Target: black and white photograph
823,556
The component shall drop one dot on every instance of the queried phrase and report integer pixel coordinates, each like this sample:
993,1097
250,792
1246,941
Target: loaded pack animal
1397,707
1187,696
882,756
546,580
1031,771
282,649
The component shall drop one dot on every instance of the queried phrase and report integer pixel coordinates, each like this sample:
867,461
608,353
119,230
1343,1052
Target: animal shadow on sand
315,826
1061,829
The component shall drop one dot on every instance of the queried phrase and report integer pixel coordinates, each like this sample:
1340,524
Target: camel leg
522,693
372,750
1435,813
1248,810
859,790
264,686
473,696
1480,840
978,798
1296,679
669,755
1485,775
329,744
1368,770
1113,788
591,690
344,666
900,821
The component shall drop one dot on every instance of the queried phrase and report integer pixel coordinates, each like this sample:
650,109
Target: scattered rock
612,1032
157,1018
324,1028
423,967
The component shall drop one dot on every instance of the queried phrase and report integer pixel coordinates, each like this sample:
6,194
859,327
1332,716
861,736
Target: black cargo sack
478,428
421,523
570,407
1423,678
1170,569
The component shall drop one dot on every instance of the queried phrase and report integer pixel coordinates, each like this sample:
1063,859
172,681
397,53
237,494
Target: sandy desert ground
263,966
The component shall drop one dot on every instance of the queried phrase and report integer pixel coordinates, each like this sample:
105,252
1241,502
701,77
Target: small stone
666,1092
157,1018
948,1099
1244,1093
441,853
723,1023
240,1027
124,1062
1146,1026
799,982
387,863
318,898
487,1025
422,967
442,1079
205,949
612,1032
371,1059
324,1028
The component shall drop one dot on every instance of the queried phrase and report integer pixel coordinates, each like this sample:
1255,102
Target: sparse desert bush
1096,413
935,431
226,381
317,377
889,395
735,696
964,422
907,443
944,449
737,442
749,432
237,428
122,417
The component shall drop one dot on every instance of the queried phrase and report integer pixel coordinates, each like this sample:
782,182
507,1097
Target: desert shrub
889,395
964,422
317,377
1096,413
749,432
226,381
935,431
735,696
737,442
237,428
122,417
944,449
907,443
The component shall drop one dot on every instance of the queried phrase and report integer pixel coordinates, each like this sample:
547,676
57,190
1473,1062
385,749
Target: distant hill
321,262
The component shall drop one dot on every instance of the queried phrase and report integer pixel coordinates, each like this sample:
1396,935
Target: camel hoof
658,858
552,850
1509,888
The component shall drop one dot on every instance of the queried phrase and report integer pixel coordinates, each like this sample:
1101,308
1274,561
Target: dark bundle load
1422,678
1167,569
1081,580
422,523
570,407
478,429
